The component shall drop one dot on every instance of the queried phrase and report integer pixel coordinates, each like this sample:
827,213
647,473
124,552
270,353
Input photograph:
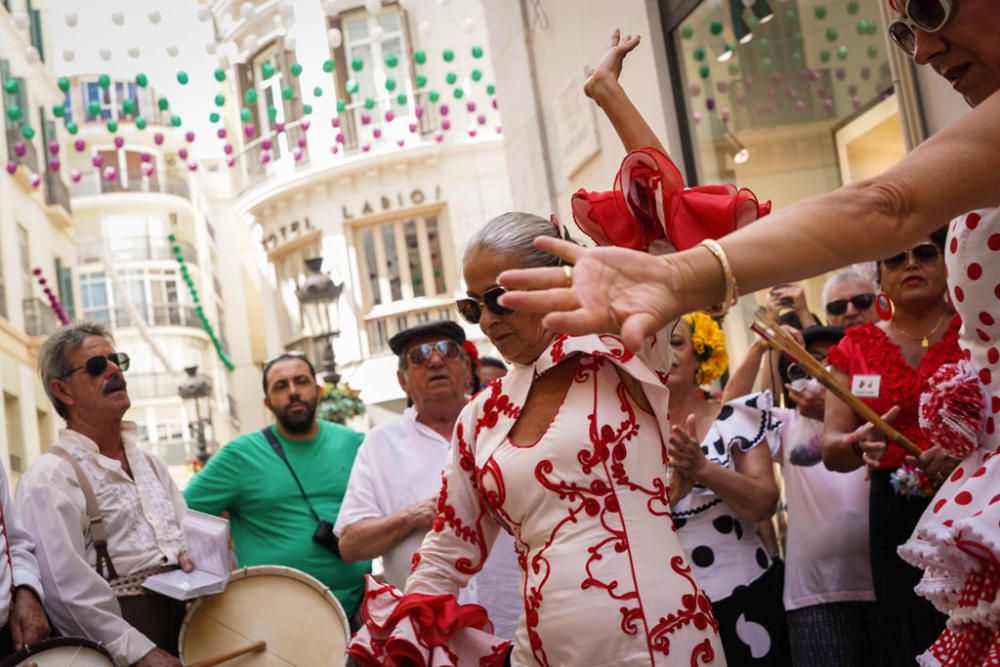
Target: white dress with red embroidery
605,580
957,541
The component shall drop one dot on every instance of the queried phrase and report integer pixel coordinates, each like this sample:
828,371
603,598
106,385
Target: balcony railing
95,185
39,319
134,249
381,329
282,152
56,191
154,315
143,386
30,159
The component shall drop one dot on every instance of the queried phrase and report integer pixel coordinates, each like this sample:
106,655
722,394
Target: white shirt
17,544
400,464
142,517
826,559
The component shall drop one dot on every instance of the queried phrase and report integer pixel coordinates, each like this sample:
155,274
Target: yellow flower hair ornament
709,345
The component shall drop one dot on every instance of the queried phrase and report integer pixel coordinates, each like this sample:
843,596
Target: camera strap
280,451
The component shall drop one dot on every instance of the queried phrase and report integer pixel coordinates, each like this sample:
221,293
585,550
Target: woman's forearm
631,127
753,498
838,454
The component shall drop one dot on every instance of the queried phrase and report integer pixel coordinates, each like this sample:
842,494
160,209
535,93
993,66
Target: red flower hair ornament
649,202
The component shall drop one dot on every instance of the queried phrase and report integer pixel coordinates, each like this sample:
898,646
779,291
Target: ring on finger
568,270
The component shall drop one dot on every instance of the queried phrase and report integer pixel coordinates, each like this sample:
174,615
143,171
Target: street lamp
318,296
193,389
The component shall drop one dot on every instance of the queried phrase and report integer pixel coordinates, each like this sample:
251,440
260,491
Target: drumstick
256,647
782,341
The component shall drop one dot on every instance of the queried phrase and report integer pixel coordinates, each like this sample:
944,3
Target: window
64,278
3,288
291,271
24,253
94,297
35,28
92,92
401,260
126,90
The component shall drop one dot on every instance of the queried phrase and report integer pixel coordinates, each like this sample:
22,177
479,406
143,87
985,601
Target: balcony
282,160
381,329
39,318
30,159
134,249
144,386
171,185
57,197
160,315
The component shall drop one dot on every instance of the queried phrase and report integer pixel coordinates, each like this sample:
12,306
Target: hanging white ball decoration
373,6
289,43
210,48
288,11
69,55
204,13
172,51
424,28
469,25
246,9
21,20
250,43
118,18
334,37
71,20
105,54
154,17
31,55
134,51
329,7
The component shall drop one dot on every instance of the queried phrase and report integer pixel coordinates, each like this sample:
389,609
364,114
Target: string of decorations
54,302
196,300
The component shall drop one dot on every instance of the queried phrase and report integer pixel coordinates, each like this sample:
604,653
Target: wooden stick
256,647
782,341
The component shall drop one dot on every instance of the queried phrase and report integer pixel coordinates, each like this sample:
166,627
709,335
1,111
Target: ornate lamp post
194,389
318,296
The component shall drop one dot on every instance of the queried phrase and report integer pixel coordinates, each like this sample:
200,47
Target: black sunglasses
419,354
926,15
925,253
859,301
97,365
472,309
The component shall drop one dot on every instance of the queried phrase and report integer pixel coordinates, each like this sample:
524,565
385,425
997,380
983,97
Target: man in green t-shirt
272,522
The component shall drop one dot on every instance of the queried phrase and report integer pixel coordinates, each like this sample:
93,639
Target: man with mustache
105,515
391,500
283,486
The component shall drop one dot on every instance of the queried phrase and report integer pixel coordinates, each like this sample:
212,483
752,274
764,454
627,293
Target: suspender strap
280,451
98,532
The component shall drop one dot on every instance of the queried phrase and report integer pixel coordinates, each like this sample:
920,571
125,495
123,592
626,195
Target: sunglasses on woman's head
925,253
925,15
472,309
419,354
97,365
859,301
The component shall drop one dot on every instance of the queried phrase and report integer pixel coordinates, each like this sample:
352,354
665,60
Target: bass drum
61,652
296,615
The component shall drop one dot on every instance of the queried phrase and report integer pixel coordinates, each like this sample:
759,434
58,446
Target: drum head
298,617
61,652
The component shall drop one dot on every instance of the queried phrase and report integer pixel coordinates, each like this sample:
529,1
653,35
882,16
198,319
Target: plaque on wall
576,126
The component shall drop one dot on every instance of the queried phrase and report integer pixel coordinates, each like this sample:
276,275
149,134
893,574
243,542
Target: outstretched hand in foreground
613,290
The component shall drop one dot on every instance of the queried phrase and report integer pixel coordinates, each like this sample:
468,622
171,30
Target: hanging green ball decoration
799,39
458,93
369,103
272,113
141,80
734,69
401,99
853,7
104,81
214,117
171,237
477,52
797,58
790,15
175,121
687,32
832,35
351,86
182,78
420,81
328,66
357,64
820,12
390,85
177,249
391,60
307,109
476,75
753,22
28,131
295,69
448,55
220,100
824,56
58,111
318,91
434,96
219,74
267,69
715,27
841,52
14,112
250,97
163,103
766,62
72,127
451,78
93,109
128,107
419,57
341,106
699,53
287,93
873,52
112,126
63,84
704,71
11,86
246,115
764,44
140,123
491,89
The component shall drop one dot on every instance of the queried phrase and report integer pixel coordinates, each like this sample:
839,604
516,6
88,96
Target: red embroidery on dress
557,352
447,516
696,610
494,406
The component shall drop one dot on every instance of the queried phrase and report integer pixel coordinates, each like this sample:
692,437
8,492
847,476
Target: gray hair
53,362
844,276
513,234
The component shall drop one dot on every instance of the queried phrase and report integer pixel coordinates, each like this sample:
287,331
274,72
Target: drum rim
264,570
55,642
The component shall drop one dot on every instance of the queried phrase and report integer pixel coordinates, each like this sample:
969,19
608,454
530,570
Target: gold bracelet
732,289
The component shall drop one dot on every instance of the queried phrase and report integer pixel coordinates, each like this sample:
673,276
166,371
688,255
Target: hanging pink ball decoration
297,154
54,164
279,127
189,136
147,170
472,132
146,157
499,129
800,106
110,174
11,167
365,148
856,102
412,127
231,162
266,144
726,115
710,103
192,166
335,122
36,180
400,142
470,106
696,117
80,145
302,142
75,176
221,133
438,137
20,149
248,131
119,142
334,149
228,149
446,124
444,110
840,73
340,137
305,125
776,78
265,158
389,116
791,93
722,87
158,138
366,118
481,119
496,103
694,89
418,112
866,73
54,147
97,161
828,104
377,132
183,153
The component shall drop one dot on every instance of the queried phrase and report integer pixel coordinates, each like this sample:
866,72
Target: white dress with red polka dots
957,541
